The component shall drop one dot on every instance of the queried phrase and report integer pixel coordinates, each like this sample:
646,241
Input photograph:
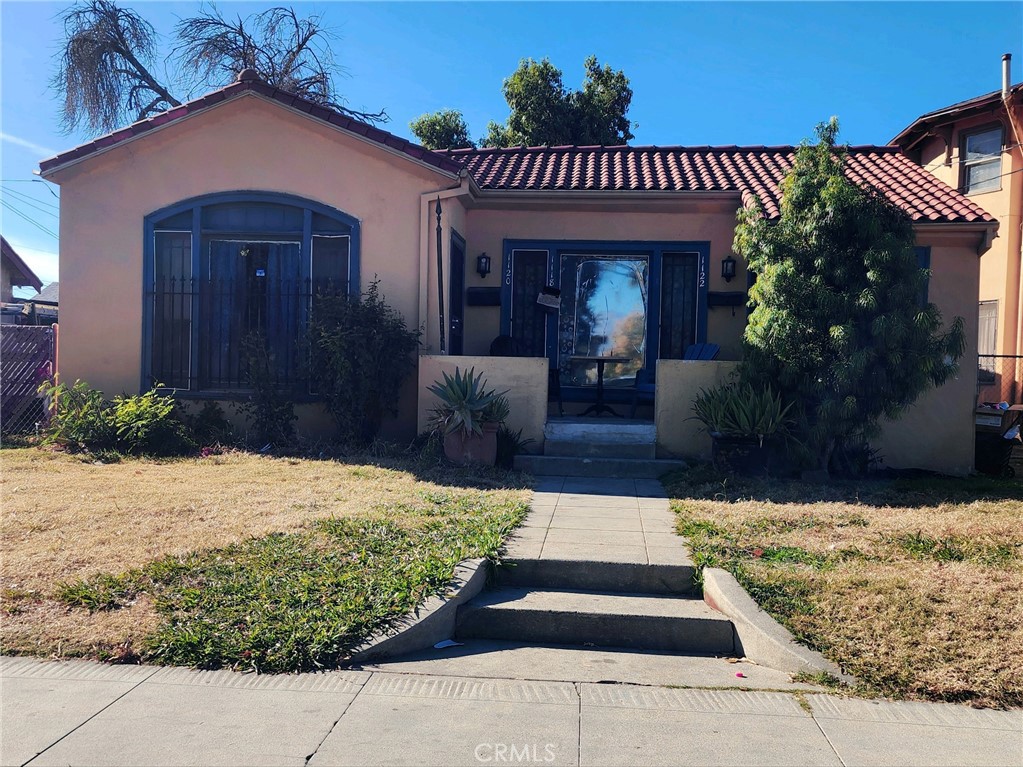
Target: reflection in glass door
604,307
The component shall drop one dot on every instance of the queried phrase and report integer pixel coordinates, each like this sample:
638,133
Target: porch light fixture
483,264
728,268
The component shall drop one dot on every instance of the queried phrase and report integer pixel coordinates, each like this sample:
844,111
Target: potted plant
747,425
468,416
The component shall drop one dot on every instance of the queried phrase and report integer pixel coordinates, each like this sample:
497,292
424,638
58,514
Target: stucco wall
999,276
562,220
524,378
678,384
937,432
244,144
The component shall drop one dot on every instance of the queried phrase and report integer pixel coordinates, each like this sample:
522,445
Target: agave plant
740,410
466,403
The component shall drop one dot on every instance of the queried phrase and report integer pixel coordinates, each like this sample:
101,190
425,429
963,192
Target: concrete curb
758,636
431,623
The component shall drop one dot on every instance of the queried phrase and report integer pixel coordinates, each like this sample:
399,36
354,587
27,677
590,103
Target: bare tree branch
104,67
288,52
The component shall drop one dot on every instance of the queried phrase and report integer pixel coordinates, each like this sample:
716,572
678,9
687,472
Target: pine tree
839,321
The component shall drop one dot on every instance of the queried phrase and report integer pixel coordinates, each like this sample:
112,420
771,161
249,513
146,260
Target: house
185,231
14,273
976,147
42,308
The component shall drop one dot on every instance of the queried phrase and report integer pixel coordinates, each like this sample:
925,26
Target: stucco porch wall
524,378
678,384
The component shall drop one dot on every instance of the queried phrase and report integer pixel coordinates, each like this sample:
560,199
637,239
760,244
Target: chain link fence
27,358
1000,379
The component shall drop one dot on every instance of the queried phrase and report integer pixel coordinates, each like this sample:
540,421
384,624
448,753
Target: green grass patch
955,548
301,601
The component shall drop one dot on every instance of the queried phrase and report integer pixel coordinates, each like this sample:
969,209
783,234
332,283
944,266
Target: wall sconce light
728,269
483,264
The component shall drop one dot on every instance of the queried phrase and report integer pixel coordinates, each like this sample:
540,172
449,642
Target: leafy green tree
445,129
545,113
107,66
839,322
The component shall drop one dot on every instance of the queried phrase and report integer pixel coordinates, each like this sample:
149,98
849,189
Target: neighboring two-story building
976,146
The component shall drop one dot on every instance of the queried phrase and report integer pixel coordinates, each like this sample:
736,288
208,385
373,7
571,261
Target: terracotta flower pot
465,449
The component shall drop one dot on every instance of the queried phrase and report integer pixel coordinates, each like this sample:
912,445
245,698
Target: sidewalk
84,713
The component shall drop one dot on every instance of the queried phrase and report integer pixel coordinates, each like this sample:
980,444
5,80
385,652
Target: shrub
139,424
269,409
81,419
742,410
210,425
361,353
147,424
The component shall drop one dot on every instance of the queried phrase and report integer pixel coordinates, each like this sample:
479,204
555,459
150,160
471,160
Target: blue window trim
652,248
195,205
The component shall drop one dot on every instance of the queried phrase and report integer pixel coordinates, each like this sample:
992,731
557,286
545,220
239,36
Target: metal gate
27,358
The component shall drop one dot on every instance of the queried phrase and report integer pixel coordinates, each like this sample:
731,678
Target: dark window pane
330,264
528,320
172,309
678,304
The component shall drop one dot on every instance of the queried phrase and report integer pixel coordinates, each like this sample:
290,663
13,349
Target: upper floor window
981,161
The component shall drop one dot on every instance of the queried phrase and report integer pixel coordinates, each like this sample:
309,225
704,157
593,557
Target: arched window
230,281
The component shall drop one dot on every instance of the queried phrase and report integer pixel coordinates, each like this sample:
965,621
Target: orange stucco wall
937,432
244,144
999,266
487,229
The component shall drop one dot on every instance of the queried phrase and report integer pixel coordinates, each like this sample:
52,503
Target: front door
456,295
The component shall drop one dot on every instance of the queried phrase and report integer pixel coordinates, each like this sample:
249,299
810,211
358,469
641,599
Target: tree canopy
107,67
445,129
839,319
543,112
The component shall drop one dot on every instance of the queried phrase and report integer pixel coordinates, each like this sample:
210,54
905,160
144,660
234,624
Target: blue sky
702,73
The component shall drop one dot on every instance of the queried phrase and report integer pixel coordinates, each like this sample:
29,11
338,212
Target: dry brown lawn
65,518
913,586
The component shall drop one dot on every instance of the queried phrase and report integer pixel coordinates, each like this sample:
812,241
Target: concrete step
580,448
609,430
609,577
633,621
623,468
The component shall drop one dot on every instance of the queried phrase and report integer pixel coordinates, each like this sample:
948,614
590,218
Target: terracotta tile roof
248,82
749,171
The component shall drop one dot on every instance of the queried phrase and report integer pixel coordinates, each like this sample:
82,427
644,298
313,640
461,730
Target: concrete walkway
605,520
489,702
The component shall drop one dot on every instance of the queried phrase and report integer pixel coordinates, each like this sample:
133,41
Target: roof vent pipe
1006,74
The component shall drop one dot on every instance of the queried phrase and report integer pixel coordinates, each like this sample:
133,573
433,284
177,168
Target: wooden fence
28,356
